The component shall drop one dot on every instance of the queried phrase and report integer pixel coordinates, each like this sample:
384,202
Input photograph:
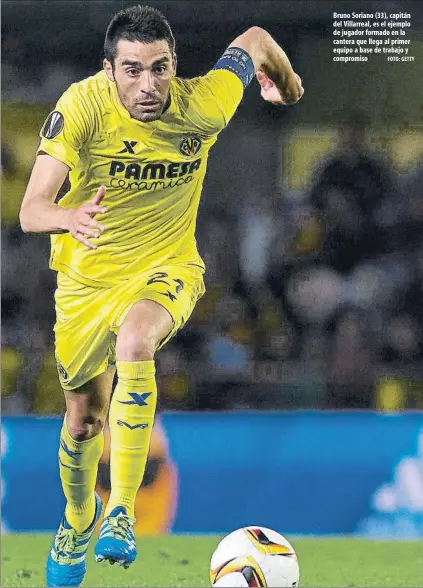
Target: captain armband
239,62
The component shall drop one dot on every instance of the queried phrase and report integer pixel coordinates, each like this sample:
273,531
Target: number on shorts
157,278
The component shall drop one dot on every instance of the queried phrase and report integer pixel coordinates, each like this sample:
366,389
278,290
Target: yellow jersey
153,172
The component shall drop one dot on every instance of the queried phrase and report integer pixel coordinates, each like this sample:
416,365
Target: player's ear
174,63
108,68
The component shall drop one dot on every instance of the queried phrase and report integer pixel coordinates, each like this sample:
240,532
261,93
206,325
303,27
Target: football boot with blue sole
66,565
116,543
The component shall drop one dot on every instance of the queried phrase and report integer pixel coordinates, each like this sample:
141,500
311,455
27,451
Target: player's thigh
146,324
83,340
175,288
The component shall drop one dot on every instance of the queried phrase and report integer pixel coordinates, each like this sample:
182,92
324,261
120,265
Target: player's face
142,73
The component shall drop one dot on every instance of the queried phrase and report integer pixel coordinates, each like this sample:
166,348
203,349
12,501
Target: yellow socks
78,463
131,421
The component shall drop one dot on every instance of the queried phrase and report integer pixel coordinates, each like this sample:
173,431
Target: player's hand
80,221
271,93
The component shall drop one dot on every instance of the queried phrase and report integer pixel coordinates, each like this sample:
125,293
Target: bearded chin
147,116
150,116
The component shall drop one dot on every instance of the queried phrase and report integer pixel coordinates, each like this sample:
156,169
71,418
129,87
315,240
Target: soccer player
134,139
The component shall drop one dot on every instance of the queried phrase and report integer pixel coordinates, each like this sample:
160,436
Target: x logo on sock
139,399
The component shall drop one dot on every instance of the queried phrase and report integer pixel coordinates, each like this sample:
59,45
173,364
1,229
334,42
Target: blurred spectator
12,180
25,275
174,383
259,222
8,163
351,360
229,345
274,335
403,341
354,193
404,330
27,315
218,245
412,220
341,277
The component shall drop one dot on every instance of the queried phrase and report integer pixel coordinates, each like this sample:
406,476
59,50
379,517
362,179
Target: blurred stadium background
311,227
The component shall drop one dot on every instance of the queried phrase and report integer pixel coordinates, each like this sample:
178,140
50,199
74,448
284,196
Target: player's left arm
216,95
279,83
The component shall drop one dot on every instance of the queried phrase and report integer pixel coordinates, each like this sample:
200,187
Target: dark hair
137,23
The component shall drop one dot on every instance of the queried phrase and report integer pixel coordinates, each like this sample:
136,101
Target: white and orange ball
255,557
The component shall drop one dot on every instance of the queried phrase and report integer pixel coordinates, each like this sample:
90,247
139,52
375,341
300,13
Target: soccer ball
254,556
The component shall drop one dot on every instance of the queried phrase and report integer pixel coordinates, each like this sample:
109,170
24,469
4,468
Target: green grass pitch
184,561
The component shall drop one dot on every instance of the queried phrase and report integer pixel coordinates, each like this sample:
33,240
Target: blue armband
239,62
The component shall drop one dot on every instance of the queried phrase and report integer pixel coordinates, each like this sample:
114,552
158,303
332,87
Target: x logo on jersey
139,399
129,147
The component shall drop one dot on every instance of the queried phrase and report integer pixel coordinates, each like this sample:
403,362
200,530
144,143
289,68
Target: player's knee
135,345
84,427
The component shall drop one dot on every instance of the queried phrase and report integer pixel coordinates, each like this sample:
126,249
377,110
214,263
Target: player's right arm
67,130
39,213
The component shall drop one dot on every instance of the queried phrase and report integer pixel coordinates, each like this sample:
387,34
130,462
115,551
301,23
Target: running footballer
134,139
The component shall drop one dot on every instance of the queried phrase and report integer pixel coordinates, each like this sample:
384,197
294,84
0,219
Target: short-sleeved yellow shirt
153,172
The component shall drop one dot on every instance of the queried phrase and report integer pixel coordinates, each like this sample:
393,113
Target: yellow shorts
88,318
